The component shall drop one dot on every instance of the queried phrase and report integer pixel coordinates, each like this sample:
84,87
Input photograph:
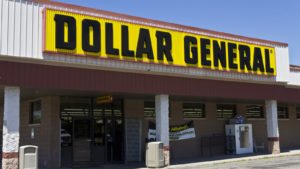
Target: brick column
11,117
272,127
162,123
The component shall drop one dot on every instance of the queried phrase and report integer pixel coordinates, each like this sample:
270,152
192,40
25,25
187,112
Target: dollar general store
86,86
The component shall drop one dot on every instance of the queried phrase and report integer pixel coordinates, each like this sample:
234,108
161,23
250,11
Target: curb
233,160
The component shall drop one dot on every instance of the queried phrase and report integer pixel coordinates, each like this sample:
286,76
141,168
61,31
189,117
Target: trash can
28,157
155,155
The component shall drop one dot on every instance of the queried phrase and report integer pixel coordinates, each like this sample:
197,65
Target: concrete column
272,127
162,123
11,118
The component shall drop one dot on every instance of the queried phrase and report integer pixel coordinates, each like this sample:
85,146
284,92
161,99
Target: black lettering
188,48
205,52
144,45
86,25
125,40
244,57
232,56
257,60
219,54
109,39
60,21
269,69
164,46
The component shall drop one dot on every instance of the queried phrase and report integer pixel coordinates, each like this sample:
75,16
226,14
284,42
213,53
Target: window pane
66,131
117,108
255,111
113,109
193,110
149,109
226,111
35,112
107,111
98,111
282,112
74,109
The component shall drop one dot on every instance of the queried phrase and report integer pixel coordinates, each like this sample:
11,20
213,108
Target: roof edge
295,68
179,26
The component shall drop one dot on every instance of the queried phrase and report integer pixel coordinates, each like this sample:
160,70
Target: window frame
287,111
32,112
152,108
262,113
201,104
226,104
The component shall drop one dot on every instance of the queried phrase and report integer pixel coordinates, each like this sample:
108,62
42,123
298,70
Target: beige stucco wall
46,134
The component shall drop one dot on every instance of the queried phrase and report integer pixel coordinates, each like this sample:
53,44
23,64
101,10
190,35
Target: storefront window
226,111
255,111
35,112
66,131
117,108
283,112
149,109
75,110
193,110
113,109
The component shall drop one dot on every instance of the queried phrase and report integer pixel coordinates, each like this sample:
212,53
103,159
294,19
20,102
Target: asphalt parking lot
286,162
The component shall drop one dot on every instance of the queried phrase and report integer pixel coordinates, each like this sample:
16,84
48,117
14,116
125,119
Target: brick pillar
272,127
162,123
11,117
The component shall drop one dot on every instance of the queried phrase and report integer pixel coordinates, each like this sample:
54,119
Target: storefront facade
86,85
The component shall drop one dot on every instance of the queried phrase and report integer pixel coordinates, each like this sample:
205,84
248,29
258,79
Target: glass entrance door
81,140
98,141
114,140
91,133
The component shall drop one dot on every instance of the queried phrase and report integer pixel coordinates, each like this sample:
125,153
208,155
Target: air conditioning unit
155,155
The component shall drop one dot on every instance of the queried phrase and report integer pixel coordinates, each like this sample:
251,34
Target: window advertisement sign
178,132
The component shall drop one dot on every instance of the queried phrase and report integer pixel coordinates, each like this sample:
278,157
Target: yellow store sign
83,35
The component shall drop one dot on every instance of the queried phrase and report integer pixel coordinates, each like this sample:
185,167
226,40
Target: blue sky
277,20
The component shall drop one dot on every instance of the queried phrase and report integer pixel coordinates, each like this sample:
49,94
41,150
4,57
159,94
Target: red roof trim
124,16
